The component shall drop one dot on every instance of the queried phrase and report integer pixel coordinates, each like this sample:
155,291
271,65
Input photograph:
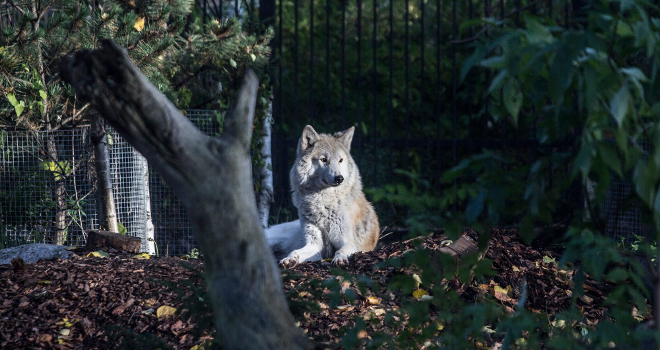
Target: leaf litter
67,304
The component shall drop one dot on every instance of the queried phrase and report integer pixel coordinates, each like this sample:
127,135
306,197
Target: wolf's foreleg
310,252
341,256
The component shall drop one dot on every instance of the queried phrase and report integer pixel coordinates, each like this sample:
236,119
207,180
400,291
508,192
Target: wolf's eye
323,159
341,160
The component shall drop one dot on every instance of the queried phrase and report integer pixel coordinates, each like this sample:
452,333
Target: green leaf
232,62
624,29
475,206
497,81
635,73
537,33
495,62
611,158
43,94
19,106
121,228
513,99
619,104
617,275
12,99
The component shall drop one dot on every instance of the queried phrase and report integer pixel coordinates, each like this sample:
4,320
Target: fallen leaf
419,293
142,256
417,279
373,300
98,254
548,260
45,338
65,332
165,311
345,307
119,309
139,24
501,294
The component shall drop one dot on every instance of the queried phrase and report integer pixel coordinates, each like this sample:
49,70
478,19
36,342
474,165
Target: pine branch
16,7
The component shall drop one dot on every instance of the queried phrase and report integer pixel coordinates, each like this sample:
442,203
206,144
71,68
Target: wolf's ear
345,137
308,138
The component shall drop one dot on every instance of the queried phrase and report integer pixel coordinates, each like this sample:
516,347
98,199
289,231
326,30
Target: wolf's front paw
340,259
290,261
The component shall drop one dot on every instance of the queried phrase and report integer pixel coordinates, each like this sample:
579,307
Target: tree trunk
149,224
266,191
104,181
212,178
57,171
58,174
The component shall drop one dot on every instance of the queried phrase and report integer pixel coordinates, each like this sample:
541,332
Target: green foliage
31,47
195,65
588,92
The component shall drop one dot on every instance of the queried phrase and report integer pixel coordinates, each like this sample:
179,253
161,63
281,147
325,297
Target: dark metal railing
390,68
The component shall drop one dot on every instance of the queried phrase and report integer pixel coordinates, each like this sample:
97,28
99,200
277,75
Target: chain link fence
48,188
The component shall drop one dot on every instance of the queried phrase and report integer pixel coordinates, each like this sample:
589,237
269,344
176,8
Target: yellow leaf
43,282
139,24
206,344
98,254
66,323
142,256
417,279
165,311
373,300
420,293
501,294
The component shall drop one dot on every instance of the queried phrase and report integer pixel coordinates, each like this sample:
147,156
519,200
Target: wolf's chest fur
325,209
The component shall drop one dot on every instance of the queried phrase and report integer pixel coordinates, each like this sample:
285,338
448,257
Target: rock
31,253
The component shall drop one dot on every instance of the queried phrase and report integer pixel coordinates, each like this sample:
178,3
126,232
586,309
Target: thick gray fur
335,218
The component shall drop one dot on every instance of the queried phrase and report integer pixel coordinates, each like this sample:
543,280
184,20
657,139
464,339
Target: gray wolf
335,218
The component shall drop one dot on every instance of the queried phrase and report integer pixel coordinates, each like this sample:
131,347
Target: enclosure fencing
48,187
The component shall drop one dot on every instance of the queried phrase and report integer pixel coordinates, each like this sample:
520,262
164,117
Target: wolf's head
324,160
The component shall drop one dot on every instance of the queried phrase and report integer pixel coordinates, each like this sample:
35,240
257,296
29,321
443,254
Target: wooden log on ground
99,238
461,247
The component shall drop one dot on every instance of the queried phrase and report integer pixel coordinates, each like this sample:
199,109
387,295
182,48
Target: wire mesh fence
48,189
173,233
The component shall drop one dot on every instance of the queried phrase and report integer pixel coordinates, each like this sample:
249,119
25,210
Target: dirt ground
73,303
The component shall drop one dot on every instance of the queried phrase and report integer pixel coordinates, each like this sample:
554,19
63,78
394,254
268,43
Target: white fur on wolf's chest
331,215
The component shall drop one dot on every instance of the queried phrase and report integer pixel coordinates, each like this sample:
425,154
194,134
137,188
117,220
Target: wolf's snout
338,180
